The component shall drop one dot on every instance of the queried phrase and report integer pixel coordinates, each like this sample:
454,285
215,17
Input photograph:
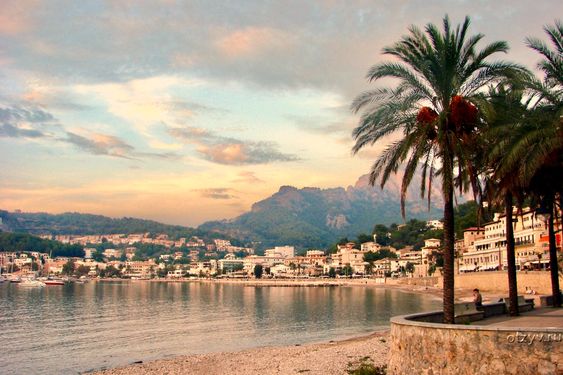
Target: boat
31,283
15,279
53,282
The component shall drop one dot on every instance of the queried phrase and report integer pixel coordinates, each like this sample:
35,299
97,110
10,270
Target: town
117,256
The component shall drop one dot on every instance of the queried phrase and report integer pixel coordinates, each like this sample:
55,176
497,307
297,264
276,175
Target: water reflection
79,327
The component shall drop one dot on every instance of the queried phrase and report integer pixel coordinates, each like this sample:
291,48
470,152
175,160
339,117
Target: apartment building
485,249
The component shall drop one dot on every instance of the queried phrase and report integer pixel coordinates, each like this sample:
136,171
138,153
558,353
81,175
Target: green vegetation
147,250
467,215
365,367
413,233
81,271
258,271
111,271
332,273
27,242
69,267
346,271
84,224
372,256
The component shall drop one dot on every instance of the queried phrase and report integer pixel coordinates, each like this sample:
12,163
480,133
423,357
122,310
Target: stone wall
497,282
433,281
491,282
440,349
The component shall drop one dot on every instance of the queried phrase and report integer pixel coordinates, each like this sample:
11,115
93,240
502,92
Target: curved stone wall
419,346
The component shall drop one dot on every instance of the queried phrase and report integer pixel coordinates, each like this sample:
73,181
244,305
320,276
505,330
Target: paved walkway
545,317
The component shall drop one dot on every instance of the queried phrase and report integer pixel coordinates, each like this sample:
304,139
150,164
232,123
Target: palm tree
508,116
542,145
436,106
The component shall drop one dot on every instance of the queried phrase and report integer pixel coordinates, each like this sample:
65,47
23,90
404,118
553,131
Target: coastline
333,357
434,291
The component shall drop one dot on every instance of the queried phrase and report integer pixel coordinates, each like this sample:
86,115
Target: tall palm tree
436,107
509,114
542,145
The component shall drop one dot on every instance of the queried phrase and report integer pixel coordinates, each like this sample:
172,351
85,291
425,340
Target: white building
435,224
348,256
281,251
370,246
486,249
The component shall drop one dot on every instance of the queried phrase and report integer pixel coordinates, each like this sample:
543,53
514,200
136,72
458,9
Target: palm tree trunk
553,258
510,257
448,296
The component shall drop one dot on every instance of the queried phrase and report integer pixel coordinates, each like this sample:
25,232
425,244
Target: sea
78,328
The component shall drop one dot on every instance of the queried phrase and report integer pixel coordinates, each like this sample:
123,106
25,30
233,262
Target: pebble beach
334,357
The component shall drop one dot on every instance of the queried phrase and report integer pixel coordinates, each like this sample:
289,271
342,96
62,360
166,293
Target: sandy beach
333,357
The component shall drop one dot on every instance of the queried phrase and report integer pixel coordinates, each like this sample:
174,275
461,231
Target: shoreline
435,292
332,357
461,294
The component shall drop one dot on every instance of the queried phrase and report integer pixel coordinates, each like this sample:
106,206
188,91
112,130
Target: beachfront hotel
484,249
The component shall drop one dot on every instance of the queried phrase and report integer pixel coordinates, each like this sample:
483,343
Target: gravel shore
334,357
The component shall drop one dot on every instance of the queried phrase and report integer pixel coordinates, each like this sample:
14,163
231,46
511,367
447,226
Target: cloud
25,122
230,151
193,107
32,122
274,45
21,114
217,193
248,178
104,144
322,125
53,98
253,41
14,16
147,102
10,131
101,144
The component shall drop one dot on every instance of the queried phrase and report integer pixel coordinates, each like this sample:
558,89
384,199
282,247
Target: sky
188,111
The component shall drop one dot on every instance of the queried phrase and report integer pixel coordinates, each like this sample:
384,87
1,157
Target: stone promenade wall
493,282
441,349
497,281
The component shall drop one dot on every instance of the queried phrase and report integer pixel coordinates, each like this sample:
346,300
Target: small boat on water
54,282
31,283
15,279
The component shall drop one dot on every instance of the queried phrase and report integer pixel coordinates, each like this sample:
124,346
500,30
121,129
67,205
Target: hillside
82,224
306,218
313,217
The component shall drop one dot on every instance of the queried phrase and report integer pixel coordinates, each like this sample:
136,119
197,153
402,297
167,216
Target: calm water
80,327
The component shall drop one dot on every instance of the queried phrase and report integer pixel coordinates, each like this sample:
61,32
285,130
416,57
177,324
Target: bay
82,327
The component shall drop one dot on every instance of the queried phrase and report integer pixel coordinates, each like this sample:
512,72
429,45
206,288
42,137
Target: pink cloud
252,41
14,16
226,153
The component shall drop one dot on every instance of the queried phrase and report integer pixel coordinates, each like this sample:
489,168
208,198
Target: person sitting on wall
477,299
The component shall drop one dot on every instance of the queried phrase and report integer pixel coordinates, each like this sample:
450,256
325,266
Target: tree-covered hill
27,242
80,224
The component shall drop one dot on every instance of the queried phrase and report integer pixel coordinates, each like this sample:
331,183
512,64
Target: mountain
313,217
83,224
306,218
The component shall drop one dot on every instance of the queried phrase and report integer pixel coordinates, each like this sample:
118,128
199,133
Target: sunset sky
184,112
